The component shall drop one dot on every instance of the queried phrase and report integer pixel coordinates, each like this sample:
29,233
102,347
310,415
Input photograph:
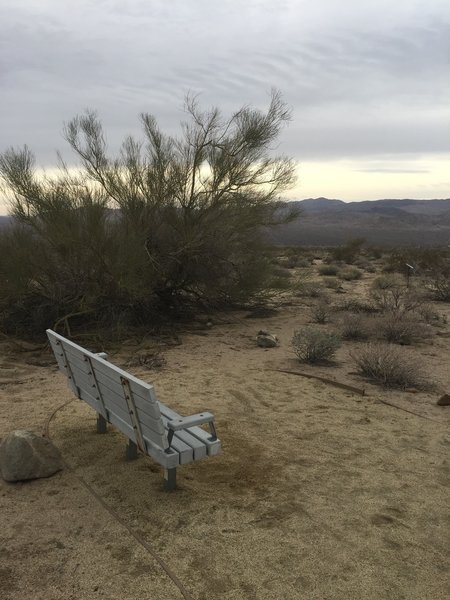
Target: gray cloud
364,79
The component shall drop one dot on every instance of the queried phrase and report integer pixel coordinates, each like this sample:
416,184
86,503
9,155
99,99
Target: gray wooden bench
131,406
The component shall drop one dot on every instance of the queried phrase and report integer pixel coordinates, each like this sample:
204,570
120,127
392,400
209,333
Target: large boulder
26,455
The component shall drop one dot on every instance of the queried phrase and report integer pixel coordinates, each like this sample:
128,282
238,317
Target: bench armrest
185,422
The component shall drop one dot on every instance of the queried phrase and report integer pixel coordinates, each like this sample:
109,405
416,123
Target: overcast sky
368,80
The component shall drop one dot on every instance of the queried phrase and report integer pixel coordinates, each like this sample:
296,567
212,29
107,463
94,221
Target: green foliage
314,346
166,223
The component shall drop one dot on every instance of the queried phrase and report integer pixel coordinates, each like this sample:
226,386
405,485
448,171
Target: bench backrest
125,401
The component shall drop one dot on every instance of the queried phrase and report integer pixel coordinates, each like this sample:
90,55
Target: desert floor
319,493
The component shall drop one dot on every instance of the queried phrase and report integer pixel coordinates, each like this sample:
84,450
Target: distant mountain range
327,222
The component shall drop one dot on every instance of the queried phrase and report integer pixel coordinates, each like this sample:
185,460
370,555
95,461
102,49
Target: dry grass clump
354,326
390,366
314,346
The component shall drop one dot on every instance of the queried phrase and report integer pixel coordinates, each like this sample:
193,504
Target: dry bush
313,346
391,294
329,270
354,305
354,326
308,289
332,283
402,328
349,251
320,312
350,274
390,366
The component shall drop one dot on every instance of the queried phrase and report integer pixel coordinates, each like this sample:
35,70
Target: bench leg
101,424
170,479
132,450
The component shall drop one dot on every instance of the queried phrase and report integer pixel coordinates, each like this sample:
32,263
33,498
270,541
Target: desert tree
167,220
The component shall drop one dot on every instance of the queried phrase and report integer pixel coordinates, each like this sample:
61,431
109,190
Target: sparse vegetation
390,366
314,346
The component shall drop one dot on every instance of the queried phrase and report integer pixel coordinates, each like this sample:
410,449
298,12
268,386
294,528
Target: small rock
264,339
26,455
444,400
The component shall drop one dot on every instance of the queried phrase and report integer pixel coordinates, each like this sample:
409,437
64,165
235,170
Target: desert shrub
348,252
404,328
354,326
428,314
332,283
350,274
355,305
422,259
390,293
320,312
313,346
438,283
390,366
166,223
308,289
365,264
329,270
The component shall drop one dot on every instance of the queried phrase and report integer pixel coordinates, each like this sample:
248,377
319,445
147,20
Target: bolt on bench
131,406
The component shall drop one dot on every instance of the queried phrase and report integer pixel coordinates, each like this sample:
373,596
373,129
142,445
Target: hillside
329,222
325,222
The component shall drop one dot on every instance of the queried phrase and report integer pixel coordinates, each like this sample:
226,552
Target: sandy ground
319,493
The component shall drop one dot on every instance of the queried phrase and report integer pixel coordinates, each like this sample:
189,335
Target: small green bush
313,346
390,366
